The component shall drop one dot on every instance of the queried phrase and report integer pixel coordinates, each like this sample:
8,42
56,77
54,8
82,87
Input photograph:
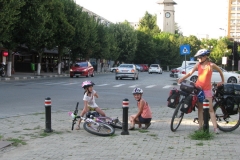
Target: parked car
173,71
145,67
182,70
113,69
155,68
126,71
229,77
139,67
82,69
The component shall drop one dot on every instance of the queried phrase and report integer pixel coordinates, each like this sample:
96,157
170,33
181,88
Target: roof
166,1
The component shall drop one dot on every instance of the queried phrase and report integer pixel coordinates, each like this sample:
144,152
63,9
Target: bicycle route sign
185,49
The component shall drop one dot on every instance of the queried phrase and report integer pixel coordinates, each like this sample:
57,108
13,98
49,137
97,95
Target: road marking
55,83
150,86
70,83
119,85
167,86
134,86
102,85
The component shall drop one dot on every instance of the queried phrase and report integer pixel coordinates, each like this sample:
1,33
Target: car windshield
82,64
154,65
126,66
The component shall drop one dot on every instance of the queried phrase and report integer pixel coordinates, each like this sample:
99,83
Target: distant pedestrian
144,114
62,65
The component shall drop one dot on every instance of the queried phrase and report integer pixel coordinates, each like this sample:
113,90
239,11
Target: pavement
158,142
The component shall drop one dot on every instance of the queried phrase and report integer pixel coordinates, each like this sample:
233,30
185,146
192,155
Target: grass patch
16,141
113,135
38,113
143,131
170,147
201,135
199,144
1,137
153,135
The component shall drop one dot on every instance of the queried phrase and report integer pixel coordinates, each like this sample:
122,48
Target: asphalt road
28,96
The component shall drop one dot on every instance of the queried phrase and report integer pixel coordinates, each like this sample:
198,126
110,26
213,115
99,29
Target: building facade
233,30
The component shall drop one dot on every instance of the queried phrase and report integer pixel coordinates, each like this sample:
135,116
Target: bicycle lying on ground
92,126
226,107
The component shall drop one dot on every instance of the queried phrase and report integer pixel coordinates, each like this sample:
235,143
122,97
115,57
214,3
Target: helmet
137,91
202,52
87,84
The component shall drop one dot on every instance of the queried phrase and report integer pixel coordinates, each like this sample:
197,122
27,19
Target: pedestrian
144,114
62,65
205,68
89,101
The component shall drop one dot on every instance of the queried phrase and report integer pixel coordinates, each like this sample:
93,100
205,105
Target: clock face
167,14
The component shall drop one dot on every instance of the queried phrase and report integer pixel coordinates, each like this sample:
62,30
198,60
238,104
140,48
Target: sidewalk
157,143
31,75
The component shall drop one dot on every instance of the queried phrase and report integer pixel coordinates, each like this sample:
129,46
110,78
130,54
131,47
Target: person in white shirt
89,101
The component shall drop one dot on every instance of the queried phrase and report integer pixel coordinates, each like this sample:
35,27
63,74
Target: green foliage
201,135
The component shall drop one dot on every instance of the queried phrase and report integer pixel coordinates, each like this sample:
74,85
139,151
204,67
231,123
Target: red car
82,69
145,67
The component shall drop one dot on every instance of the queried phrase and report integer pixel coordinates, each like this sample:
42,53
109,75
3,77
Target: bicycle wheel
115,123
100,130
75,113
177,117
225,122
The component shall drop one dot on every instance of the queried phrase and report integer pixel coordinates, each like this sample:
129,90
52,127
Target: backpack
189,104
173,98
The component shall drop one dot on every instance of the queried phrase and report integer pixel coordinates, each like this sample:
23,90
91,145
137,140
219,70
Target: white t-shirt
90,99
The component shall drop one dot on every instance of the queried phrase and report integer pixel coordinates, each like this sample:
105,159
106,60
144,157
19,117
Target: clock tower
166,17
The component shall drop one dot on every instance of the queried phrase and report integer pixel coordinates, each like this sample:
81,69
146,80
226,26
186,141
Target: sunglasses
200,57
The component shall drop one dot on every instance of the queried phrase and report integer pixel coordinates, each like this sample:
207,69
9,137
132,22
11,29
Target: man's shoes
131,128
146,126
216,130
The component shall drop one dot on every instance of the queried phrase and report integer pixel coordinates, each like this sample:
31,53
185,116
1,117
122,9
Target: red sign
5,53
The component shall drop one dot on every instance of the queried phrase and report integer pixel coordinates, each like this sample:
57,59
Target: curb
28,77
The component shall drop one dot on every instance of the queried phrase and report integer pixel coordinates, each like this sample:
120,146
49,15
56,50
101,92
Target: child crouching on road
144,115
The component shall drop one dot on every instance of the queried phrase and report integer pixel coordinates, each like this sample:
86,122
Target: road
28,96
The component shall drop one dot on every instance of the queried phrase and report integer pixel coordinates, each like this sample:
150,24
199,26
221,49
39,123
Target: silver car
126,71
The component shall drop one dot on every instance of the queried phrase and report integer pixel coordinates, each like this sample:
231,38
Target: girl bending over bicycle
144,115
205,68
89,101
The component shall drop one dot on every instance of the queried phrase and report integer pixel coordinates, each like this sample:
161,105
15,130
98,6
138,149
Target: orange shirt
204,77
146,113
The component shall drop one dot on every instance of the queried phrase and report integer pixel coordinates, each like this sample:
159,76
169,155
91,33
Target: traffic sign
185,49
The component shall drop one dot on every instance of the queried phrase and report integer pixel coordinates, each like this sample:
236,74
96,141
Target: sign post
184,50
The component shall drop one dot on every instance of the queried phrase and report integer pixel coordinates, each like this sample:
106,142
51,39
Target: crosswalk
79,84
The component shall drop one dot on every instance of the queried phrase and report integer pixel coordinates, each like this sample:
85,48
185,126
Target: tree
9,16
148,24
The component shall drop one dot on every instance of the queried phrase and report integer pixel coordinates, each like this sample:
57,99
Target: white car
181,70
155,68
126,71
113,69
229,77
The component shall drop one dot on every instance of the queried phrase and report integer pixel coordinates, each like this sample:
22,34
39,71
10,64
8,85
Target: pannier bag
187,86
231,105
189,104
231,89
173,98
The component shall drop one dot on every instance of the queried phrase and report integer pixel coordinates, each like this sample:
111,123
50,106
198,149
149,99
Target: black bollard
48,114
206,115
125,117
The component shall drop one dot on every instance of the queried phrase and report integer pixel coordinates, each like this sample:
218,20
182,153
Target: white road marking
119,85
70,83
167,86
134,86
150,86
102,85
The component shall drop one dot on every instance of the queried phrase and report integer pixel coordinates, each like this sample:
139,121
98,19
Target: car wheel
194,79
92,74
71,76
134,78
137,78
232,80
120,78
114,70
116,78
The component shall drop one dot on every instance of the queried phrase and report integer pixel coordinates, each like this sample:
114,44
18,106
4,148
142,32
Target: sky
194,17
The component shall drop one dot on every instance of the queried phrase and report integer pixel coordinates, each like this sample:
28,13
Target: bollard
206,115
125,117
48,114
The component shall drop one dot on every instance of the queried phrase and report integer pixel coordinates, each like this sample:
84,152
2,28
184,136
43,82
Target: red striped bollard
48,104
125,104
206,115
